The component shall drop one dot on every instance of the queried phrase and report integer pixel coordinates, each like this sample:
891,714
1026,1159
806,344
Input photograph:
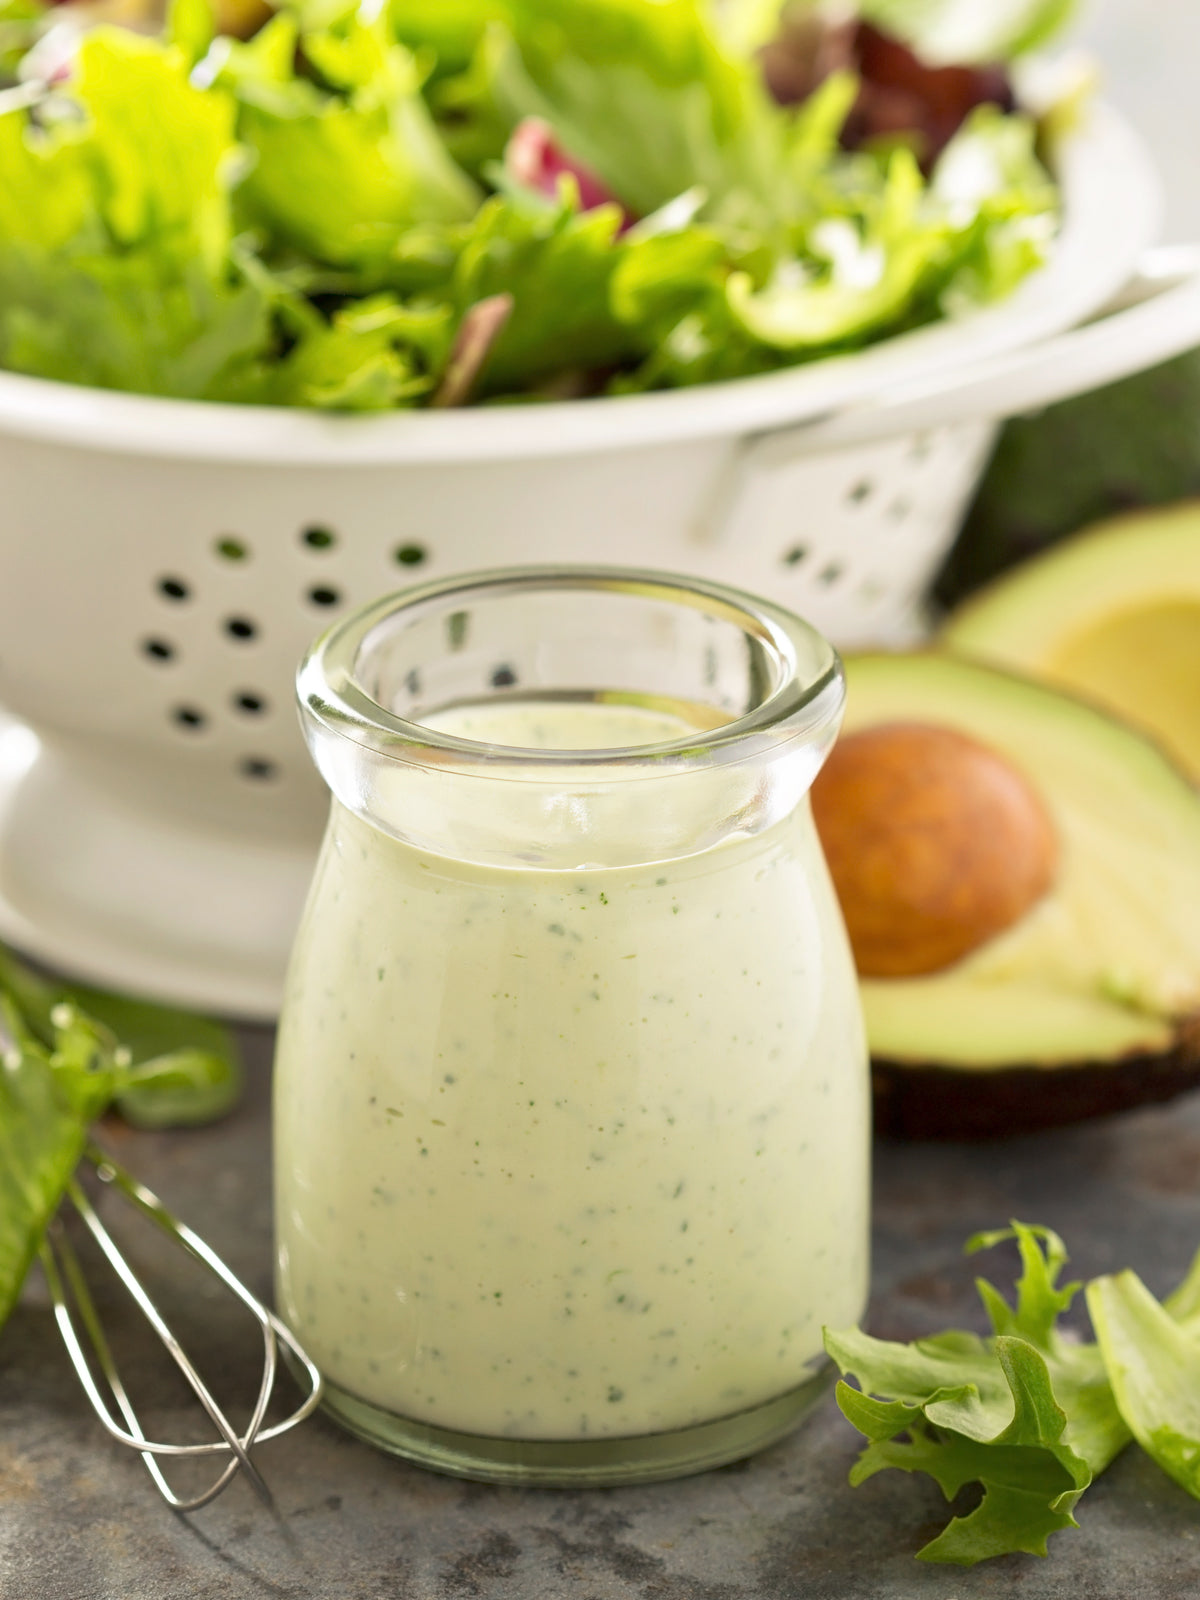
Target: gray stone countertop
79,1519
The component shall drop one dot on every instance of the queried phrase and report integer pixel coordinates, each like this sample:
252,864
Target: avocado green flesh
977,1025
1107,964
1113,614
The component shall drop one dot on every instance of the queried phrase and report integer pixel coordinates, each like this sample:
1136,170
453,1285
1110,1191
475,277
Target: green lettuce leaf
587,298
647,96
448,30
341,166
1153,1364
898,251
373,355
182,1070
452,29
41,1142
1000,204
558,263
1184,1300
162,1066
19,21
115,229
66,1055
1025,1414
961,31
191,26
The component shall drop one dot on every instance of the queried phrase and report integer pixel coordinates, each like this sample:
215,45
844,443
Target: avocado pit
935,842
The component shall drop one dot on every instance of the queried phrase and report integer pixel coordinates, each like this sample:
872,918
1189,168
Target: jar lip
800,706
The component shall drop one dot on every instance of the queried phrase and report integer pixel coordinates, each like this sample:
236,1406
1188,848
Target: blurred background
1148,51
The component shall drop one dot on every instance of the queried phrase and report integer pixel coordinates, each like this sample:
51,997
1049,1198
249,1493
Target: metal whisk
72,1298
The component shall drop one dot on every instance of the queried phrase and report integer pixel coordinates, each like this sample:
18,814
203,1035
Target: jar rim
800,705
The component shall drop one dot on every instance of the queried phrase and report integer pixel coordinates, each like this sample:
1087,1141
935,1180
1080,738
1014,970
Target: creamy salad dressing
570,1154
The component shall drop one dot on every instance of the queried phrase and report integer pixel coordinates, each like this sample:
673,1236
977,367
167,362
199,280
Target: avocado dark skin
1134,443
951,1103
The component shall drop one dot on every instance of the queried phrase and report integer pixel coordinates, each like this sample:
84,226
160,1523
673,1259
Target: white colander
163,565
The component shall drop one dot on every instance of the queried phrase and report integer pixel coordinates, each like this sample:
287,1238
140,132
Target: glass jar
571,1094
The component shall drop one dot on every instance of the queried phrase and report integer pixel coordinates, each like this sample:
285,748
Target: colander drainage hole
503,677
410,555
241,628
231,549
324,595
189,717
158,649
861,491
317,538
829,575
795,555
258,769
251,704
174,589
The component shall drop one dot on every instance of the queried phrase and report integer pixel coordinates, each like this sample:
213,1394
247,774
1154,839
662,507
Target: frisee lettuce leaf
1025,1414
1029,1415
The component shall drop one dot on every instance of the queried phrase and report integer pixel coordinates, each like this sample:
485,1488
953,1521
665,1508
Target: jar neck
748,700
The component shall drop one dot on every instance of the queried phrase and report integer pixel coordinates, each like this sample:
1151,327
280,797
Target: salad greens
962,30
61,1067
1029,1414
311,216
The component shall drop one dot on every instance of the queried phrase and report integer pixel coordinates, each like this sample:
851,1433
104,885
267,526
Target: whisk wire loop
72,1298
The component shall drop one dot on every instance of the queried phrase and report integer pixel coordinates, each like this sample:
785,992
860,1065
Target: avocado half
1090,1002
1112,614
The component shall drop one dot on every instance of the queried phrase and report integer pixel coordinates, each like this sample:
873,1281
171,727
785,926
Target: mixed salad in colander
401,203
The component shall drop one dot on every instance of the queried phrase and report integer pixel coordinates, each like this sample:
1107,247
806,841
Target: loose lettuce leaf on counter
1026,1413
1152,1358
163,1067
41,1142
66,1054
182,1070
58,1071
